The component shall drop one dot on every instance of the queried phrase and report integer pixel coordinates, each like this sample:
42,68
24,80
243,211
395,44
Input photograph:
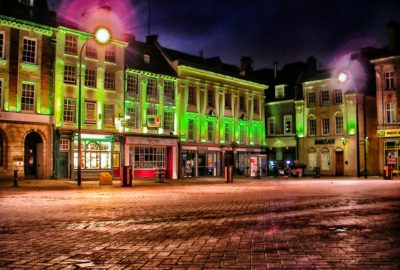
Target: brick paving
250,224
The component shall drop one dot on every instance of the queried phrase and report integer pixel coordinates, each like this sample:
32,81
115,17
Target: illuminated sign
153,121
389,133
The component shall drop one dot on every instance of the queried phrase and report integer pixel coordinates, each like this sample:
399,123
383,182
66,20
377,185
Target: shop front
251,162
148,155
282,151
390,143
100,153
200,161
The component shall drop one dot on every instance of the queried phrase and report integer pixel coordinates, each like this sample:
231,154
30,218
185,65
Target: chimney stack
246,66
311,64
150,39
275,69
393,35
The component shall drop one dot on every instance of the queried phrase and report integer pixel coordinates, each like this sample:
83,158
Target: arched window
92,154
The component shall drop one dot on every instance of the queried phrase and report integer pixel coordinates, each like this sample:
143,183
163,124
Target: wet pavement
250,224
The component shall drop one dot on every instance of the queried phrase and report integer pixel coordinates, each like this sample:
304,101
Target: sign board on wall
153,121
253,166
389,133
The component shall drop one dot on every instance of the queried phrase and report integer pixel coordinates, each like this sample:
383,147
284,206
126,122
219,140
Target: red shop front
149,154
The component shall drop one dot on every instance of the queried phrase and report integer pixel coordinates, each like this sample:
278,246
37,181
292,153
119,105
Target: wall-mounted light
344,140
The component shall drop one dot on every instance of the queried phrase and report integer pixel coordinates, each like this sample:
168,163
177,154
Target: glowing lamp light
343,77
102,35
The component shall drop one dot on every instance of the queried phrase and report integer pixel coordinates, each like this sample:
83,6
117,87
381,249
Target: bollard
15,181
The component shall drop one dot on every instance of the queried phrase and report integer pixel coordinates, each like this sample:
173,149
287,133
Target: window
151,111
169,92
210,131
242,103
325,126
256,138
90,112
324,97
339,124
152,89
26,2
109,114
132,87
389,80
69,110
95,155
64,145
192,95
109,80
391,113
169,120
1,94
148,157
256,107
2,40
29,51
191,131
312,127
228,132
228,101
146,58
312,160
210,98
28,97
279,91
271,125
110,53
338,96
311,99
132,122
325,160
90,78
71,44
287,123
70,74
91,49
242,134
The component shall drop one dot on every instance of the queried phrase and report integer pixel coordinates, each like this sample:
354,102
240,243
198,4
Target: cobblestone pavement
253,224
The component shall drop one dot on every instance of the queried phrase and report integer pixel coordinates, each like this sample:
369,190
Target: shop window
2,39
71,44
110,53
287,123
90,78
391,113
389,80
70,74
109,80
325,162
91,49
271,125
95,155
191,130
109,114
312,127
192,95
148,157
169,93
29,51
69,110
210,131
28,97
132,85
92,156
152,94
90,112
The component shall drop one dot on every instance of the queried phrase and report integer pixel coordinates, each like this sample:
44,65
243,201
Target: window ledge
30,66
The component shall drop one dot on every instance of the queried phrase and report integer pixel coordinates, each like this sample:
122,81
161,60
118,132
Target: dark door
31,159
201,163
63,165
339,163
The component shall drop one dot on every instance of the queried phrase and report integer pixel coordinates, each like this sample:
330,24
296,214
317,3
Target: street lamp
102,36
344,77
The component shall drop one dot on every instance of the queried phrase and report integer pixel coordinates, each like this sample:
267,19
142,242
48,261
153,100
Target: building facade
387,71
26,100
102,103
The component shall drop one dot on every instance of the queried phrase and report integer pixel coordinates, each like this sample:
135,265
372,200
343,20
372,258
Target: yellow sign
389,133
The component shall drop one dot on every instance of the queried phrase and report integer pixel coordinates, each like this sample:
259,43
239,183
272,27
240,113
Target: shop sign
324,141
153,121
389,133
392,161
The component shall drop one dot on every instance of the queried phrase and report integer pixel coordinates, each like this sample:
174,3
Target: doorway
339,163
33,156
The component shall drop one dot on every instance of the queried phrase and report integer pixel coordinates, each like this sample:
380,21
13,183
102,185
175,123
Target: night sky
266,30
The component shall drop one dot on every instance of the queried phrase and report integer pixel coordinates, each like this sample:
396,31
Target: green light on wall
352,125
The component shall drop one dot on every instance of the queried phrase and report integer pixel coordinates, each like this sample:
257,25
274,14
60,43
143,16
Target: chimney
246,65
311,64
201,53
275,69
393,35
128,37
150,39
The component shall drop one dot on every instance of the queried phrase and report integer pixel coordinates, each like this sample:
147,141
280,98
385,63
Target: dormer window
146,58
279,91
27,2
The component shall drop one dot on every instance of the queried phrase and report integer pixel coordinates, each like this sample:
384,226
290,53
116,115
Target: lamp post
344,77
102,36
